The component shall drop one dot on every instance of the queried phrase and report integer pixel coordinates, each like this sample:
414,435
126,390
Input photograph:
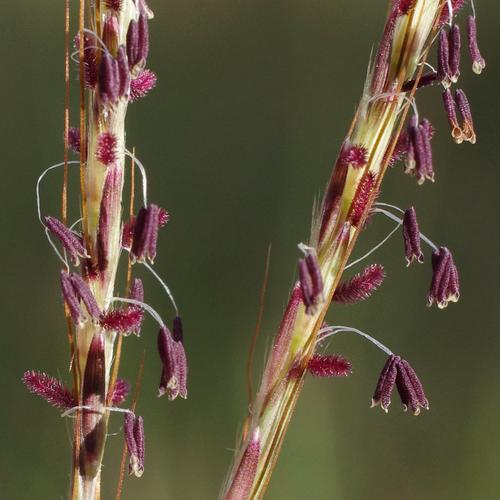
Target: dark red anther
443,57
146,233
454,40
445,286
385,384
123,72
69,240
411,237
109,84
467,123
451,113
169,382
478,62
71,298
84,293
410,388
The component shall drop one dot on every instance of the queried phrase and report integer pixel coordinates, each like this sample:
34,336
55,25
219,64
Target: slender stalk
349,196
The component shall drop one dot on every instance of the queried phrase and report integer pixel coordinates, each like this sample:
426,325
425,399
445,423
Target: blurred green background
239,137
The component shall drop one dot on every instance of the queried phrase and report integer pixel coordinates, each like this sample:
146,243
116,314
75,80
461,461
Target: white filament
376,247
144,178
329,331
74,409
47,170
54,246
163,284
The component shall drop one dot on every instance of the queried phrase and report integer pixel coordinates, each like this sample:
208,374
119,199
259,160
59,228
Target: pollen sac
177,330
70,298
69,240
134,438
443,58
84,294
123,72
467,123
137,290
385,384
169,382
419,152
173,381
311,281
329,365
411,237
109,81
138,42
146,234
182,367
450,109
445,286
410,388
478,62
454,54
128,234
74,290
459,132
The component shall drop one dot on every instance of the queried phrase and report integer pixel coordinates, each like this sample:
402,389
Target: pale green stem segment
375,127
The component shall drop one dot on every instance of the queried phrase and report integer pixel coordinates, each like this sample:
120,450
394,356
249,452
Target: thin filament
330,331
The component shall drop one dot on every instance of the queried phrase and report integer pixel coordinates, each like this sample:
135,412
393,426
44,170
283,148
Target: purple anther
478,62
69,240
385,384
410,388
411,237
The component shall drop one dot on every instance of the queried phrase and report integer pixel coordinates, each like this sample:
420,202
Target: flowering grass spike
112,47
379,137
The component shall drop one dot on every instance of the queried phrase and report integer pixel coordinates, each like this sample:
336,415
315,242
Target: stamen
395,218
455,46
465,111
478,62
